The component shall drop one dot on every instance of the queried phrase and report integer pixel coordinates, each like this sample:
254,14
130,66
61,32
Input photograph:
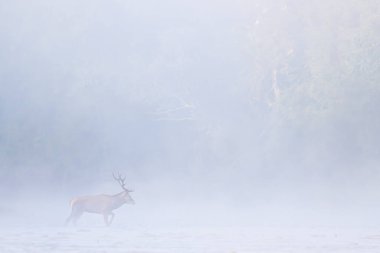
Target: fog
219,113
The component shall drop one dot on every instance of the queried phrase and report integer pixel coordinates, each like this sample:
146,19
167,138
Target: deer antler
121,180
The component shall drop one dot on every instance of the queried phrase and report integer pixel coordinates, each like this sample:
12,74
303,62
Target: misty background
216,111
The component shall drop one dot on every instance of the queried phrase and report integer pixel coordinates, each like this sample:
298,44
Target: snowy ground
186,240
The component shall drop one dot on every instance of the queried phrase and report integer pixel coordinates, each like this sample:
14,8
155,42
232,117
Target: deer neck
118,199
118,194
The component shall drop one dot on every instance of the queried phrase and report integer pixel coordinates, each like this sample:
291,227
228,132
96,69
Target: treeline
289,88
317,67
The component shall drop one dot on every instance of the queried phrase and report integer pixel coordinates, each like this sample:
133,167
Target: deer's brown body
101,204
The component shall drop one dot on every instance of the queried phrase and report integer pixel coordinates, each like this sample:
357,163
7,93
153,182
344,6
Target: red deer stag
101,204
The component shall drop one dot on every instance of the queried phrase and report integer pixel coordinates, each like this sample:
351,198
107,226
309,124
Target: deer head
125,195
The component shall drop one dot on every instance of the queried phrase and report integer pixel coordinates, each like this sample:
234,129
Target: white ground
186,240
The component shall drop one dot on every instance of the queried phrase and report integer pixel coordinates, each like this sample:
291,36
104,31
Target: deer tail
73,201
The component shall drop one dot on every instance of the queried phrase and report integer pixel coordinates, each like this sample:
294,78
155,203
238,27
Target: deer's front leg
105,216
112,216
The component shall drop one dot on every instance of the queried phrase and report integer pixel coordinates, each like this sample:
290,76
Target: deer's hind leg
76,213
